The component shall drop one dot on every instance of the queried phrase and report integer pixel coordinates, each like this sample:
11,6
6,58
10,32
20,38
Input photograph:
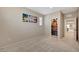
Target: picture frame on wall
29,18
33,19
25,17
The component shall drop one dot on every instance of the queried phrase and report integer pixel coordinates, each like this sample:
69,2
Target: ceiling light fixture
50,7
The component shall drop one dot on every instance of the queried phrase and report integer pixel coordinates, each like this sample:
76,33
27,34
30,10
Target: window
40,21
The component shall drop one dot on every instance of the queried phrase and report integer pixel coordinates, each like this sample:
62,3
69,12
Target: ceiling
48,10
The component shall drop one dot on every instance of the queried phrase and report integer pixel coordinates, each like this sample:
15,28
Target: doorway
54,27
70,28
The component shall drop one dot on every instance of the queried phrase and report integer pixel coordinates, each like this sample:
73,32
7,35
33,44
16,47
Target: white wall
12,28
47,20
61,24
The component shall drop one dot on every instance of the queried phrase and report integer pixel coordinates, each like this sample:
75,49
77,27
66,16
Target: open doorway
54,27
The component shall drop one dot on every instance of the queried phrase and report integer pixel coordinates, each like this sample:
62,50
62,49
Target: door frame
57,27
77,29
